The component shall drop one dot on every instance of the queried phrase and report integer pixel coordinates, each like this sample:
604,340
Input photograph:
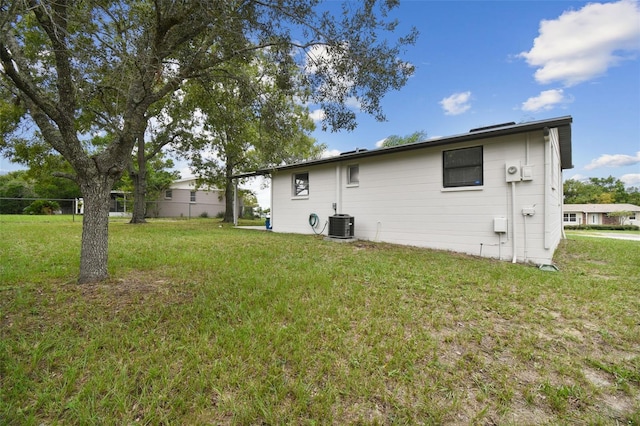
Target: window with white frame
462,167
570,217
353,175
168,194
300,184
192,197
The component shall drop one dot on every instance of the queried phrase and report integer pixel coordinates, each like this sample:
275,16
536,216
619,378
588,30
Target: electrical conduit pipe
513,220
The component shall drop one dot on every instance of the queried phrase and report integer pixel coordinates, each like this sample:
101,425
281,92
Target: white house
185,199
600,214
494,192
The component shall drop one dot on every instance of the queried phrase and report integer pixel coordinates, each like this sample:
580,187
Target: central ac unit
341,226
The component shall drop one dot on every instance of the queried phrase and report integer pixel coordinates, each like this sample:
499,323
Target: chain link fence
121,207
20,205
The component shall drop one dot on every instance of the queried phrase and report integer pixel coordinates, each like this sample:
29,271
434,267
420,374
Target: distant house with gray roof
600,214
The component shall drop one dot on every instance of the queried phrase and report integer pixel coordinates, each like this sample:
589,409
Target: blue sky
486,62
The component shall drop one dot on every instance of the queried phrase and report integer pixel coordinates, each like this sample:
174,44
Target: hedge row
603,227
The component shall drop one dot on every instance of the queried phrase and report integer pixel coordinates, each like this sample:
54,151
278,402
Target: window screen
193,196
353,175
462,167
301,184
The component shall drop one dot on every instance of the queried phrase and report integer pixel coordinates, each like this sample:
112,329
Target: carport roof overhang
563,124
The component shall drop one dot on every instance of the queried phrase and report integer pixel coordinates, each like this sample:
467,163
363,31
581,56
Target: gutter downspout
338,208
513,220
547,184
271,200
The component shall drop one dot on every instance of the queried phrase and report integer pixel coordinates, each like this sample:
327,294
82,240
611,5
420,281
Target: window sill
463,188
353,185
301,197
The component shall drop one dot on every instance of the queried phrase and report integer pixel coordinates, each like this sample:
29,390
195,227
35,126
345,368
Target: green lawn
206,324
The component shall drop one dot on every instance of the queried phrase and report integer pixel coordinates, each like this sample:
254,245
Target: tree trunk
228,201
139,183
95,230
228,191
139,196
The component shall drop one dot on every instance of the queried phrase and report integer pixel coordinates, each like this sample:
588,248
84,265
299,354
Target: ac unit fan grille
341,226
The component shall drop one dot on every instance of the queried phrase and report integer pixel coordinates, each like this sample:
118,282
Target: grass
202,323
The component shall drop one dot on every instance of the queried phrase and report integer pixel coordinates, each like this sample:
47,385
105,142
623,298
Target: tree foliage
395,140
42,207
80,69
621,215
13,186
248,124
45,169
159,175
609,190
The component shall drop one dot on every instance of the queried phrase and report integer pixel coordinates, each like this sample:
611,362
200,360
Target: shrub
42,207
603,227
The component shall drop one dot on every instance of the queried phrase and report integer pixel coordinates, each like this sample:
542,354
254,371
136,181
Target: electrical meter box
512,172
500,225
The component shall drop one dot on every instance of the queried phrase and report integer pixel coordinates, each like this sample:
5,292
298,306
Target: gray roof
600,208
562,123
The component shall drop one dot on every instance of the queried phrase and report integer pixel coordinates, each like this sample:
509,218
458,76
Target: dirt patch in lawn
134,289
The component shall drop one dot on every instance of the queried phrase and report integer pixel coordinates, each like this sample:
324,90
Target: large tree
156,177
98,66
251,122
595,191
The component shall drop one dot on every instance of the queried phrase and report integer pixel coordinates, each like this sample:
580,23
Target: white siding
208,200
180,204
400,199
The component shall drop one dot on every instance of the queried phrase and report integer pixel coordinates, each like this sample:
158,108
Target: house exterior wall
180,204
583,214
400,199
554,193
209,202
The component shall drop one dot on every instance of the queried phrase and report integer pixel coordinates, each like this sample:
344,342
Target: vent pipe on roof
494,126
357,150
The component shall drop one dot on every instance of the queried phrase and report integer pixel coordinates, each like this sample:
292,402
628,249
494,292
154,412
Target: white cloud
631,179
584,44
317,115
546,100
330,153
380,143
456,104
353,103
578,177
616,160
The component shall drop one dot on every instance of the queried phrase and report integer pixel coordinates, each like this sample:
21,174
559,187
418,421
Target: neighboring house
184,199
494,192
599,214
